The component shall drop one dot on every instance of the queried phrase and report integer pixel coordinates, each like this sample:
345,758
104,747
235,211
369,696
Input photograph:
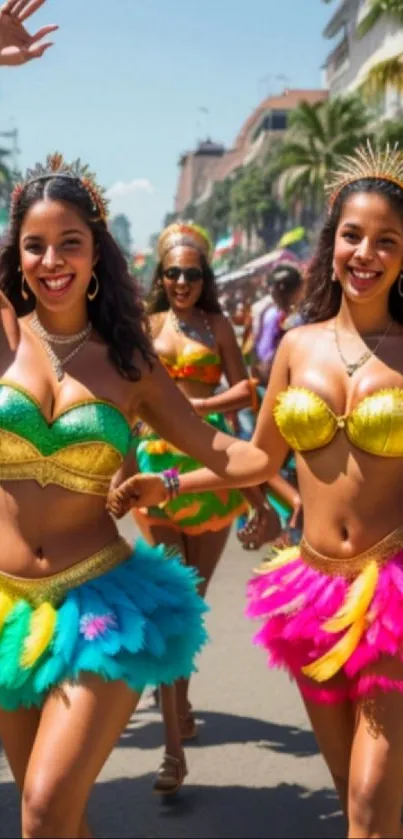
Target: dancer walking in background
333,607
197,346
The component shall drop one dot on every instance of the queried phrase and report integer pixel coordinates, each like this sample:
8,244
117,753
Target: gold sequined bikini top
80,450
375,425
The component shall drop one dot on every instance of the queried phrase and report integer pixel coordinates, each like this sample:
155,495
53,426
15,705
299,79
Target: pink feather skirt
336,625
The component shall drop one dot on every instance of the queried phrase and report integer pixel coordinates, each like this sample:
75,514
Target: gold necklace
353,366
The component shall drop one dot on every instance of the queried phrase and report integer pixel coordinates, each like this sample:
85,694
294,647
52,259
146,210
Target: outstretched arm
266,439
241,392
230,462
241,395
17,46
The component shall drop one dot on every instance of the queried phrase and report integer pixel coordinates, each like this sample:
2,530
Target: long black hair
323,297
116,313
208,300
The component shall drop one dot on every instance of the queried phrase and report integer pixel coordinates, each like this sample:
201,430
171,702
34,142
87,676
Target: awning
268,260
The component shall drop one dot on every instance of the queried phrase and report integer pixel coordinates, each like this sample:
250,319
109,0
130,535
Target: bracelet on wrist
170,479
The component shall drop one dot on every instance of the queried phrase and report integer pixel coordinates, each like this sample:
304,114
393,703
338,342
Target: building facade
211,162
352,58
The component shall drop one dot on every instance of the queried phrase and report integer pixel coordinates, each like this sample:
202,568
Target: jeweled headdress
56,166
386,165
181,234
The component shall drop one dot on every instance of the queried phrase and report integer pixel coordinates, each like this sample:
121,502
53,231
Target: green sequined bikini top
80,450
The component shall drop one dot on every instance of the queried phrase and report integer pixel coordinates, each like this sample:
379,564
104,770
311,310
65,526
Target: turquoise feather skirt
141,621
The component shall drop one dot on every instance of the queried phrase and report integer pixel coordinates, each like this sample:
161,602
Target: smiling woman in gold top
333,607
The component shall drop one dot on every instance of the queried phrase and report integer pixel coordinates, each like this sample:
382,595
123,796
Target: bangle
170,479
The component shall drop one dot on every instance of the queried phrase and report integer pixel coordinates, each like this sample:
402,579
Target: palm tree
254,206
318,134
214,213
394,8
390,131
388,73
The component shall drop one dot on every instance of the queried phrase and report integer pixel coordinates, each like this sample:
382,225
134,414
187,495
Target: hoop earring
92,294
399,285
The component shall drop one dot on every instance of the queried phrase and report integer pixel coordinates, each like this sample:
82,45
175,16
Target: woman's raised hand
9,322
17,46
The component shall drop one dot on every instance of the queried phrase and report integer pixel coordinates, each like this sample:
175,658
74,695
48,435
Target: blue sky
123,86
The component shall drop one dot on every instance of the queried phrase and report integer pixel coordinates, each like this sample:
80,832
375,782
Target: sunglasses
191,275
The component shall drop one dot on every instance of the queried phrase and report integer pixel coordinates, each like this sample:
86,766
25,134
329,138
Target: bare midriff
46,530
351,499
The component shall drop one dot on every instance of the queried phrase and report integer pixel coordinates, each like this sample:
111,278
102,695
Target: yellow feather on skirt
43,622
6,604
358,599
329,664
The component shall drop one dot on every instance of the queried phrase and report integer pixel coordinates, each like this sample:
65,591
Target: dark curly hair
323,297
116,313
208,300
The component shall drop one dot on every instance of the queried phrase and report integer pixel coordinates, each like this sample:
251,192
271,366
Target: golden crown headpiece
367,162
181,234
56,166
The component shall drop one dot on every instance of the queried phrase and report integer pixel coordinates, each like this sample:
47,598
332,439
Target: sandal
170,775
188,726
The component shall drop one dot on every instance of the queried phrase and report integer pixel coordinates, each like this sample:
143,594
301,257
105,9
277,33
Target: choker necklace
352,367
59,339
58,364
183,328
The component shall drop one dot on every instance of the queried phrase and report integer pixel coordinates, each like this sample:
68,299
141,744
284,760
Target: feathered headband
180,235
56,166
385,165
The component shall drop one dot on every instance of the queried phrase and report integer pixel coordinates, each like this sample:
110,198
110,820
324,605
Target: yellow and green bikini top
375,425
197,366
80,450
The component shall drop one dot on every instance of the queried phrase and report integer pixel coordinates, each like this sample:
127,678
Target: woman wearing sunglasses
197,346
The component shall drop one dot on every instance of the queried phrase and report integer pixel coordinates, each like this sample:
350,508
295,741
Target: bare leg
333,726
76,734
203,553
376,773
171,773
172,539
18,731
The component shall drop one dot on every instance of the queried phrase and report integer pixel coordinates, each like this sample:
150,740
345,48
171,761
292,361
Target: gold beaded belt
37,590
381,552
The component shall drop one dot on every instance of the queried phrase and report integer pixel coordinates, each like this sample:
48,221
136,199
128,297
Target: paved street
254,772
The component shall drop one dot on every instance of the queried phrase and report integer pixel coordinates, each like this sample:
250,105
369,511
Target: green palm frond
386,73
377,9
317,137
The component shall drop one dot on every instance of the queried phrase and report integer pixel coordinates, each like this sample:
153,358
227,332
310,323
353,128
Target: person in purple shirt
286,288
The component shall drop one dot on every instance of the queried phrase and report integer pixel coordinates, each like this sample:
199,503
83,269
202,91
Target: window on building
279,120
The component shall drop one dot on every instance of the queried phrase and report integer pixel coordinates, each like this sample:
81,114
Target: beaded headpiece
56,166
386,165
180,235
